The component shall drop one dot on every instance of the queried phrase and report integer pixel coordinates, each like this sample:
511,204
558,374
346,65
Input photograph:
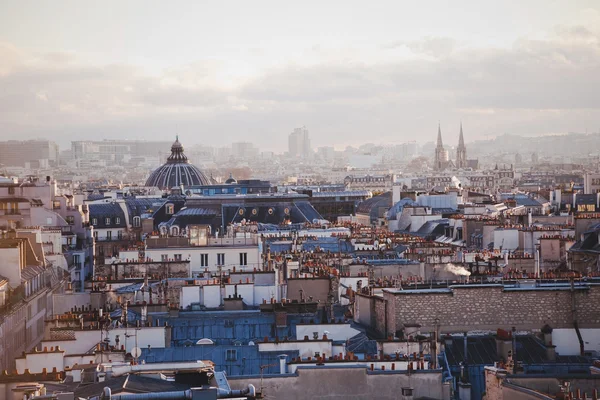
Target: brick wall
472,308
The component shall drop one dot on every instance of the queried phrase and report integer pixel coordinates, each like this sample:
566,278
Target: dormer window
94,221
107,221
136,222
170,209
117,220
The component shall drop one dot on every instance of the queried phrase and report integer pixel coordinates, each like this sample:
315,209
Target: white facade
156,337
212,295
333,331
506,239
205,257
306,348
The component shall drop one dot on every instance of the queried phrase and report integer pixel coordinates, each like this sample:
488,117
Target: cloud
536,86
436,47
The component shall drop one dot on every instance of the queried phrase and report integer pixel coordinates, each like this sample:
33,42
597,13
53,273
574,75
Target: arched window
163,230
174,231
137,222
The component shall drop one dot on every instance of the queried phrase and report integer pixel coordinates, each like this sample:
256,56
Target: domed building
177,171
231,180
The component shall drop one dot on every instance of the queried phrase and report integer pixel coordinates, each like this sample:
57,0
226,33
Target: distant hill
571,144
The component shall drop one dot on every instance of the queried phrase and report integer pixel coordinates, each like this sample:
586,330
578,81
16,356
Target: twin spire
439,138
441,155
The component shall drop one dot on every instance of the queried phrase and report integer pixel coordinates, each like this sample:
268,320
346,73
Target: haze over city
264,200
217,72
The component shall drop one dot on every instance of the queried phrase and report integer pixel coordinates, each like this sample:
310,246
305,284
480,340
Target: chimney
407,393
551,352
282,363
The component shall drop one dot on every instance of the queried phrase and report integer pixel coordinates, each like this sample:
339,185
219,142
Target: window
170,209
204,260
220,258
243,258
11,190
164,257
137,222
174,231
231,355
119,235
108,235
94,221
177,257
117,220
95,235
70,219
107,221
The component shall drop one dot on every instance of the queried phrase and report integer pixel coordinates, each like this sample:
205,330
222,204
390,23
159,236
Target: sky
217,72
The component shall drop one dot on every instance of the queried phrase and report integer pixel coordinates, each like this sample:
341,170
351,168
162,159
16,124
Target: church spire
461,150
461,139
439,138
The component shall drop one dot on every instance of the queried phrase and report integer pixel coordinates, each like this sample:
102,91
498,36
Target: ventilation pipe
514,347
466,357
250,391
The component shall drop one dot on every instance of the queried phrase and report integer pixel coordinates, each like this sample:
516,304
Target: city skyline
347,72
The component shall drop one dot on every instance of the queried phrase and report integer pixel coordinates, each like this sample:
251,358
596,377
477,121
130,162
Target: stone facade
464,308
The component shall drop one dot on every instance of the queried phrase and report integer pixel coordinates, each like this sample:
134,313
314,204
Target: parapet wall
346,383
464,308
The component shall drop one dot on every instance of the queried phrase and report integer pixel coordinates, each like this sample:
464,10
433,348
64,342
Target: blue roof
333,245
399,206
132,316
234,360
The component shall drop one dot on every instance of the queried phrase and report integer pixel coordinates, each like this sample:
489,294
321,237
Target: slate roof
31,272
590,242
369,205
111,210
585,199
139,206
432,227
191,215
130,384
482,350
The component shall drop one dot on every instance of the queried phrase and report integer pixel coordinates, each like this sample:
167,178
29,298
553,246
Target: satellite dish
136,352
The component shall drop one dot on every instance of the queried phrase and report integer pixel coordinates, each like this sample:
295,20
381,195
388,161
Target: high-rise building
118,150
461,151
299,143
17,153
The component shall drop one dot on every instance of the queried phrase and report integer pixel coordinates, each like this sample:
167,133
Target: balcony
123,238
10,212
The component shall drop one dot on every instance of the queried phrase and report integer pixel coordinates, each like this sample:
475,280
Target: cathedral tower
441,154
461,151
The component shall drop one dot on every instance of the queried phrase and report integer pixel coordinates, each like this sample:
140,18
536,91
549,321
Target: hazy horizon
220,72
